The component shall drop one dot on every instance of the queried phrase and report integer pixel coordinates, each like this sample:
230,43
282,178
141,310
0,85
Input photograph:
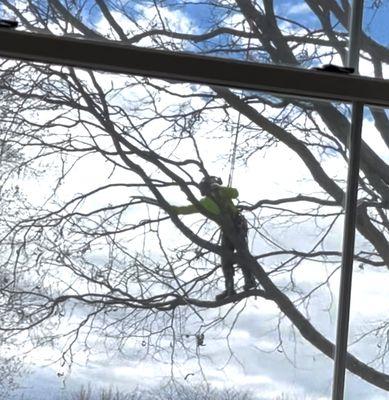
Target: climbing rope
233,153
235,144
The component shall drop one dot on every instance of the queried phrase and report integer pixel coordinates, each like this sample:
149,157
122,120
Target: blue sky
376,22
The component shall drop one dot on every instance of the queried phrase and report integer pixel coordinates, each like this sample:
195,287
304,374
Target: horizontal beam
120,58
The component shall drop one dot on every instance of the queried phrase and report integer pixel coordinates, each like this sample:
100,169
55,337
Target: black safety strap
337,69
7,23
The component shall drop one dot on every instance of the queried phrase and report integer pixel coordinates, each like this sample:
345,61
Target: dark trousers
227,256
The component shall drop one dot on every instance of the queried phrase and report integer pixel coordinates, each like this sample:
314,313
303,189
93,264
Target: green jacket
224,195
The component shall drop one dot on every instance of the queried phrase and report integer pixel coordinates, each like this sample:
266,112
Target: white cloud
299,8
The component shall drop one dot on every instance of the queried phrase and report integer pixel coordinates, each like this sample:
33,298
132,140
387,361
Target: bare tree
11,370
174,391
11,366
107,252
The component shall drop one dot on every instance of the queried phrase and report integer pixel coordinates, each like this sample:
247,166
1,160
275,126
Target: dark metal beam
120,58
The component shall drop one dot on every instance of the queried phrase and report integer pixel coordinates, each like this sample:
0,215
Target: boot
230,291
250,285
225,294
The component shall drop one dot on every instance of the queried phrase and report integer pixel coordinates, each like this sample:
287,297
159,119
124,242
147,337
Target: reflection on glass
369,311
375,39
374,22
295,33
97,260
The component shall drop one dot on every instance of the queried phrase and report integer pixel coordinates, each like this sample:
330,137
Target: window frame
115,57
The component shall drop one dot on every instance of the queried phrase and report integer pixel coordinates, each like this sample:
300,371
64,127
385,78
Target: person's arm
185,210
207,203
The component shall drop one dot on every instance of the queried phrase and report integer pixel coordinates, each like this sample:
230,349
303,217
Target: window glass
368,319
374,55
104,280
299,33
374,26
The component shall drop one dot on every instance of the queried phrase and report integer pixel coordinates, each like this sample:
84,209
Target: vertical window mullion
355,133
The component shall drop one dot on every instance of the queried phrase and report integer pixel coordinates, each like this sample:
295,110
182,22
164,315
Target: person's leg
227,268
249,279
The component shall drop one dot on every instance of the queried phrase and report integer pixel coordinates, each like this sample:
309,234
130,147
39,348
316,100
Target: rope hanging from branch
233,153
235,144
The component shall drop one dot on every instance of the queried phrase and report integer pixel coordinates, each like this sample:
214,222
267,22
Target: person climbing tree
216,201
